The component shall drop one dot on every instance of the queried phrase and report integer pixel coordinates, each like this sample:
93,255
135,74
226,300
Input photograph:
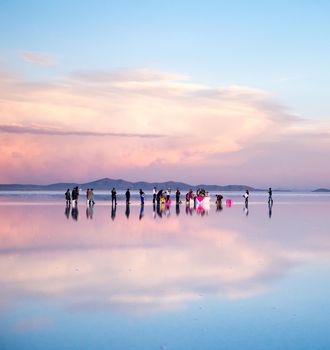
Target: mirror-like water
172,278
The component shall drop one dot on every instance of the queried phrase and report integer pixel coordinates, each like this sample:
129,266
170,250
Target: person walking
114,196
88,193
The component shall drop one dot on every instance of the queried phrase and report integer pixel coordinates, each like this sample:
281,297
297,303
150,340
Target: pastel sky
203,92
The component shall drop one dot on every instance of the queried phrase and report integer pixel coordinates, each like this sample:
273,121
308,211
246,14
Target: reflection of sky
211,274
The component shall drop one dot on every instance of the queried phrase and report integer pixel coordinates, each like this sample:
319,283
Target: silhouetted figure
270,209
141,212
141,196
270,195
67,197
113,196
75,195
127,210
128,196
159,196
113,211
67,210
219,198
177,196
154,195
246,197
160,210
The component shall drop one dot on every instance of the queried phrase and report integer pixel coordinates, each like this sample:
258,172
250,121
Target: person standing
91,197
270,195
114,196
246,197
68,197
128,196
88,193
177,196
154,195
141,197
75,195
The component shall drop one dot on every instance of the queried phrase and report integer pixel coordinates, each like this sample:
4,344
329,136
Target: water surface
177,278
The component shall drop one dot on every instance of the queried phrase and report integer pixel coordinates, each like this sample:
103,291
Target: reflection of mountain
106,184
149,265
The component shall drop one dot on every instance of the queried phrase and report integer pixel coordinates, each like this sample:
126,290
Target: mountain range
119,184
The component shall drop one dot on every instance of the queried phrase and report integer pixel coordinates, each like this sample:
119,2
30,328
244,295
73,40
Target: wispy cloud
38,58
33,130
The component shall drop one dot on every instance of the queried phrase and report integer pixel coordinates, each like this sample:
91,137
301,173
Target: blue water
179,278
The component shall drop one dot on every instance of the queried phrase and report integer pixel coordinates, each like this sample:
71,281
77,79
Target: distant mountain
322,190
119,184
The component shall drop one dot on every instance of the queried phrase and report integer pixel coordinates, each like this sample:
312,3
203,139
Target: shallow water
178,278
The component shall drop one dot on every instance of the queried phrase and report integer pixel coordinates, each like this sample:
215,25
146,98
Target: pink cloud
38,58
154,125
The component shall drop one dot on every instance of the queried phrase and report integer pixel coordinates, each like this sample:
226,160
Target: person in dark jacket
114,196
177,196
141,197
128,196
270,195
68,197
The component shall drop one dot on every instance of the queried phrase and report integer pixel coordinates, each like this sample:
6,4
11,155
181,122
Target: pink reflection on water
153,263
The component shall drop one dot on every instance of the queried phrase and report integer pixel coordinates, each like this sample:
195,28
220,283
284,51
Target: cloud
33,130
38,58
124,75
160,125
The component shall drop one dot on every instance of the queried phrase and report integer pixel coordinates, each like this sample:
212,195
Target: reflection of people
74,212
270,195
128,196
177,209
67,210
141,212
219,205
113,196
128,210
113,211
270,208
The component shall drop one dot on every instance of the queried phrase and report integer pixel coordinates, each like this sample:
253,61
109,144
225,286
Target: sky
210,92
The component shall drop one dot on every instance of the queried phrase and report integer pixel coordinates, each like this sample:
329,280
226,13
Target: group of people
158,196
71,198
